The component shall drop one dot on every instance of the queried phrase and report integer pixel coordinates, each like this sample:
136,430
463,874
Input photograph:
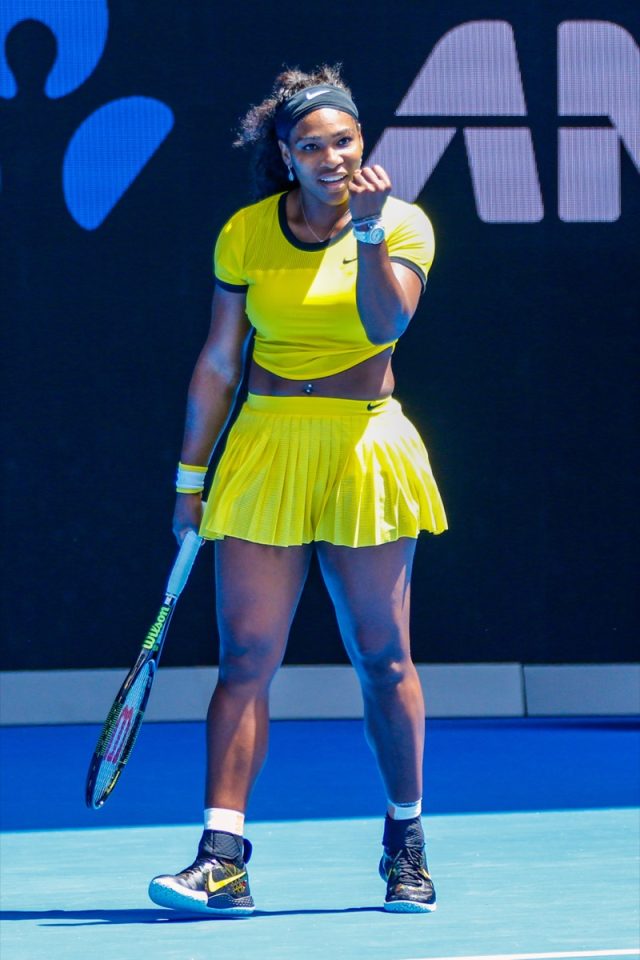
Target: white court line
541,956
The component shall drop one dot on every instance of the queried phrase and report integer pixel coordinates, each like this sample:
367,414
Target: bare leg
370,589
258,588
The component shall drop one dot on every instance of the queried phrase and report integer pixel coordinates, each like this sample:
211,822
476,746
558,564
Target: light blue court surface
535,884
552,883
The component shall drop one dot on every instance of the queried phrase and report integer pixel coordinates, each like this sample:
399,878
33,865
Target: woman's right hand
187,514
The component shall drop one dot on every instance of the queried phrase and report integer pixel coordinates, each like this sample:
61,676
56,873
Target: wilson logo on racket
123,721
151,638
119,737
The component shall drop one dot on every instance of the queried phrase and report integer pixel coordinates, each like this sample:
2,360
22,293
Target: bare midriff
370,380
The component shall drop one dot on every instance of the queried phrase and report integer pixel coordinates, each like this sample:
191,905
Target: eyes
312,147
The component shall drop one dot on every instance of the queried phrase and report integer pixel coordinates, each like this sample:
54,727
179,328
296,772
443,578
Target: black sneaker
216,883
409,886
404,868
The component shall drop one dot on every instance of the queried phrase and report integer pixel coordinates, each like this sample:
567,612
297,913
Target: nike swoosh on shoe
214,885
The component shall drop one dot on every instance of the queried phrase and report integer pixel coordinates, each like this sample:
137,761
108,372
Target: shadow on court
91,918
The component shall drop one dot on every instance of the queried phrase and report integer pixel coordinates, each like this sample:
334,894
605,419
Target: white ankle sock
404,811
229,821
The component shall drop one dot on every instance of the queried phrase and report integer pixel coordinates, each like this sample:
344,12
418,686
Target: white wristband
190,479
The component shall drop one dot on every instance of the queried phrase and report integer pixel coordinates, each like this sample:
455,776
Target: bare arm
212,390
387,293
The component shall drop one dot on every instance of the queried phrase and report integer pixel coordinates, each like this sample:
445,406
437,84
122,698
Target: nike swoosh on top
349,259
372,406
310,96
219,884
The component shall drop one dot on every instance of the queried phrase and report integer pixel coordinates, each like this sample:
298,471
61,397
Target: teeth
332,179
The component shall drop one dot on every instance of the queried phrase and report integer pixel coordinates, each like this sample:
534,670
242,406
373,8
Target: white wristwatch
370,231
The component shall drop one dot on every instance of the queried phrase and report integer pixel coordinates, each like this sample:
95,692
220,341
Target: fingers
371,180
187,515
368,191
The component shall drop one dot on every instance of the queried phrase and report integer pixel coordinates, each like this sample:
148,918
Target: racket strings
121,727
120,732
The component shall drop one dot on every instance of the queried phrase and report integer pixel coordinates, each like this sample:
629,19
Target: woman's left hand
368,191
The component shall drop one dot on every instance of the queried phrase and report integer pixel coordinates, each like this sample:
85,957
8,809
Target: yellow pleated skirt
299,469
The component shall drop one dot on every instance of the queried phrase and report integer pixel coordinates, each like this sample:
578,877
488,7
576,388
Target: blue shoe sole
409,906
196,902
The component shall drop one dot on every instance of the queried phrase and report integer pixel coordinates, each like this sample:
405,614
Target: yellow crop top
301,297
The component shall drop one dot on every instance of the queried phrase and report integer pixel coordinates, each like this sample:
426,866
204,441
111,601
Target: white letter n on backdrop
598,76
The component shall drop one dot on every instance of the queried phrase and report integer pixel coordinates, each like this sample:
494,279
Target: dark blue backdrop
117,172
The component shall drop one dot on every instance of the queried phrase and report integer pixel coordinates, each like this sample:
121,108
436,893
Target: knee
382,664
248,657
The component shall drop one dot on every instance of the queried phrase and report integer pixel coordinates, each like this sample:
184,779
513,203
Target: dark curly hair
257,128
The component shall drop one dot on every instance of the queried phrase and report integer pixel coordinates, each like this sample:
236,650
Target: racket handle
183,563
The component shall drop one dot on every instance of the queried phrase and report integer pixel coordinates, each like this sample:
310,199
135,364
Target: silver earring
292,175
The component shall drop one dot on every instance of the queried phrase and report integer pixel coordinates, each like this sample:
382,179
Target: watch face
376,235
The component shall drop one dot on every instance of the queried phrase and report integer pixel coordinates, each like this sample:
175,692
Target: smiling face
325,149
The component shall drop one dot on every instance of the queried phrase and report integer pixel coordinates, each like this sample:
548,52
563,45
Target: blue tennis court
533,840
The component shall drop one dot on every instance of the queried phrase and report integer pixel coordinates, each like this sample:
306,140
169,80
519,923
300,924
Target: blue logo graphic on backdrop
108,151
113,145
80,28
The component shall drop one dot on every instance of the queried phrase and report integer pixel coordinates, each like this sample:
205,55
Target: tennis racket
125,716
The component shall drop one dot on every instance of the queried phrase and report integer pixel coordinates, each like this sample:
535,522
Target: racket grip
183,563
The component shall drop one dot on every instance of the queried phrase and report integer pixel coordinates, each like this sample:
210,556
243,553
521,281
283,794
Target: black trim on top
412,266
233,287
300,244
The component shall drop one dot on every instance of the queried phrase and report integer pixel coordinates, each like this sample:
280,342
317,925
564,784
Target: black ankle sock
402,833
215,843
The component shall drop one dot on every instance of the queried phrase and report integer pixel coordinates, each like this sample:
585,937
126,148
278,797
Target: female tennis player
327,269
